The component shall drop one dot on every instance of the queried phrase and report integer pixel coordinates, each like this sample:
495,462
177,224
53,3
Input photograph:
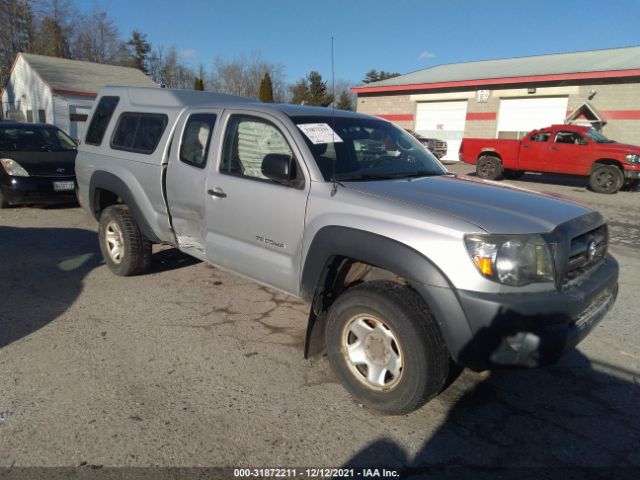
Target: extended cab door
534,151
186,179
255,225
569,153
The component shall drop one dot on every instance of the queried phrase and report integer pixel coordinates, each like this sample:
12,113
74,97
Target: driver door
255,225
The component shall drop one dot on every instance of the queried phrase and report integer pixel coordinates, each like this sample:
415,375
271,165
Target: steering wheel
376,162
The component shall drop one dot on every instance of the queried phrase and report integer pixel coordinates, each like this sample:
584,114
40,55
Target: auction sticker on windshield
319,133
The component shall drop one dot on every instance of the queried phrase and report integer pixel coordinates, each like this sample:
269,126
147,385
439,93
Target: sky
391,35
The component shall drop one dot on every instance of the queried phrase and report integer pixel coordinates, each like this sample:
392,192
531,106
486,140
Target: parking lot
190,366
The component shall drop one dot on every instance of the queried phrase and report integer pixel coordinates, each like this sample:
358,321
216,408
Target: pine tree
140,50
318,94
300,92
371,76
266,89
198,84
344,101
375,76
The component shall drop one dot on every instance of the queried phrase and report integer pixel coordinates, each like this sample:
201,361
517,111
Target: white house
60,91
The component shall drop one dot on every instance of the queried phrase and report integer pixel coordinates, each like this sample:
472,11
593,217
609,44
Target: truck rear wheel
385,347
489,167
606,179
125,249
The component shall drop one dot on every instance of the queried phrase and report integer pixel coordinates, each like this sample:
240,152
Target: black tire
606,179
125,249
489,168
513,174
416,345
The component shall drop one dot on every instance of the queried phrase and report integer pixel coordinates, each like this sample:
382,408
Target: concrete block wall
619,104
613,101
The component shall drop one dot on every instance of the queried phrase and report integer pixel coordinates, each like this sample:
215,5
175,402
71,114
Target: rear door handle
554,148
217,192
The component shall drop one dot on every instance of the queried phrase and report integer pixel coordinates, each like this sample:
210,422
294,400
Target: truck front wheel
489,167
606,179
385,347
125,249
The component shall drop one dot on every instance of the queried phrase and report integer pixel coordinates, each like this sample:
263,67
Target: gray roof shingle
86,77
627,58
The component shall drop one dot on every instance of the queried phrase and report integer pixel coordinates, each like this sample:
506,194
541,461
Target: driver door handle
554,148
217,192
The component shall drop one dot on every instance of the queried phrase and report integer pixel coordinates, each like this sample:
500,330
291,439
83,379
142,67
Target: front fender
422,274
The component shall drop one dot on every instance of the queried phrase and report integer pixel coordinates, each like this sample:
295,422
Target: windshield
597,137
29,139
365,149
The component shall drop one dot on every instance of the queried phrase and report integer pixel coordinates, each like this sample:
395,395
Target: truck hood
491,207
616,147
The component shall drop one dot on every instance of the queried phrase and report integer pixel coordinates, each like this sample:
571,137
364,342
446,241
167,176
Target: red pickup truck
569,149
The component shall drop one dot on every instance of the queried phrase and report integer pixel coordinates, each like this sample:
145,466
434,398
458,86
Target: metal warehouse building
507,98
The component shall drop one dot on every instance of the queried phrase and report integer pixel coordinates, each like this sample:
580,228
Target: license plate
63,186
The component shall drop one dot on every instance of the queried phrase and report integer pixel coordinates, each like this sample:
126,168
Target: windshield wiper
390,176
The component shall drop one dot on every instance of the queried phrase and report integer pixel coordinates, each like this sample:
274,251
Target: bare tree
56,22
16,34
243,76
97,40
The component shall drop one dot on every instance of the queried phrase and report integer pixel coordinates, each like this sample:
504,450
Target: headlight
632,158
511,259
13,168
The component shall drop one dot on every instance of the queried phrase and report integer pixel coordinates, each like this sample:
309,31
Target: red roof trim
500,81
621,114
481,115
405,117
73,92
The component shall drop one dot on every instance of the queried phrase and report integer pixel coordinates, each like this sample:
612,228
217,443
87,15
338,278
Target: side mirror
280,168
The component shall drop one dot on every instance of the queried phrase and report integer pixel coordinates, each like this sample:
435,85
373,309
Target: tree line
58,28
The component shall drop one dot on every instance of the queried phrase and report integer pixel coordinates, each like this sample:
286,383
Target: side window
100,119
196,139
569,137
541,137
138,132
247,141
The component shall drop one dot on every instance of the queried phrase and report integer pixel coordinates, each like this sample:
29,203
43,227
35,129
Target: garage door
444,121
517,116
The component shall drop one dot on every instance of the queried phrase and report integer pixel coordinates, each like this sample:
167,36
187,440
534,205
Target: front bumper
533,329
25,190
632,174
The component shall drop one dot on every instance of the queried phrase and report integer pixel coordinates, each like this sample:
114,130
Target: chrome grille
586,251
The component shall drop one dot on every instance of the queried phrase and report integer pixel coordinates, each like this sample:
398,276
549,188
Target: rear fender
107,181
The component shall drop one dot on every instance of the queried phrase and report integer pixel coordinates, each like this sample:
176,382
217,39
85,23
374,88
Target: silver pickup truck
408,270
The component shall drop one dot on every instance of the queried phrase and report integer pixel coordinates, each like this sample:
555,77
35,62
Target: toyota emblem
60,170
592,249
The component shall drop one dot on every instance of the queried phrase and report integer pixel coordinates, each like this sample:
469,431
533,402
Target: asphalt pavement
189,366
